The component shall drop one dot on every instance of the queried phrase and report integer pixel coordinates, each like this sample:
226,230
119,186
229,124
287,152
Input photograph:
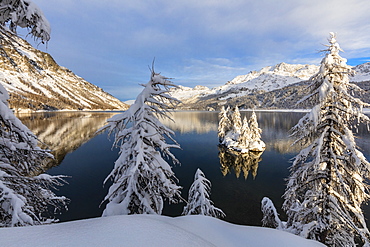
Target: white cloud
210,72
124,92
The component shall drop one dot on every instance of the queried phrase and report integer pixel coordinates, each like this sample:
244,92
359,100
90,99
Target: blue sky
197,42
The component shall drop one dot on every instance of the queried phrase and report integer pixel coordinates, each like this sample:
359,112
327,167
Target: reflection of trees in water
284,146
64,132
238,162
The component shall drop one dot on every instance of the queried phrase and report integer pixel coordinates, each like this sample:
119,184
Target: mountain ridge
272,87
36,82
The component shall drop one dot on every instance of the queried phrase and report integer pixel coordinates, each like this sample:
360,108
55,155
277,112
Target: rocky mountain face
273,87
36,82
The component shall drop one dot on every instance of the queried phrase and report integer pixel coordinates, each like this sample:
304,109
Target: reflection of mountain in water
239,162
276,126
64,132
199,122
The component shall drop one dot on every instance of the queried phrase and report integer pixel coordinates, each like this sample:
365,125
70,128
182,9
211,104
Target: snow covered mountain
274,77
267,79
36,82
278,86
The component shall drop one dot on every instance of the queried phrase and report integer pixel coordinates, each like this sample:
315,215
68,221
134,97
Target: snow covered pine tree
224,124
199,201
270,215
255,142
24,198
141,176
245,133
327,187
236,121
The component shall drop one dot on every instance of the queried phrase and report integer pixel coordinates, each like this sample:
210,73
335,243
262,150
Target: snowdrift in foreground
149,230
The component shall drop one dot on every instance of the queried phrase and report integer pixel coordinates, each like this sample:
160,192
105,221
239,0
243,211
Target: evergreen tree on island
245,134
255,143
199,201
327,186
141,176
238,135
236,121
25,198
224,123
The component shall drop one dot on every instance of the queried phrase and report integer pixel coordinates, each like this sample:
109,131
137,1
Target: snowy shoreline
26,111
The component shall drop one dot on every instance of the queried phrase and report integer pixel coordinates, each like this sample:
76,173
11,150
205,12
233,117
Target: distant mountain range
272,87
36,82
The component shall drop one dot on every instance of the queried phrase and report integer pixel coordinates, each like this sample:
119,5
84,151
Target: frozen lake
238,183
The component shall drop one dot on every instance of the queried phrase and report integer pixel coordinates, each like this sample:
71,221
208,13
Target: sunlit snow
150,230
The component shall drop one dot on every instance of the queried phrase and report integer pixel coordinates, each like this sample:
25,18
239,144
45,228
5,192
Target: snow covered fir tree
25,193
141,176
270,215
238,135
328,183
224,124
255,142
199,201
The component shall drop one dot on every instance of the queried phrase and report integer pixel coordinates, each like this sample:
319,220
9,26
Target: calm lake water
238,182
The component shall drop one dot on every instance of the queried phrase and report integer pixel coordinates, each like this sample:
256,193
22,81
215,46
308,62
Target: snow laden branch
24,14
199,201
141,176
328,182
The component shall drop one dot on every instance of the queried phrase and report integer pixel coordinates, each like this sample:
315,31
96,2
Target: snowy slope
362,72
150,230
35,81
182,92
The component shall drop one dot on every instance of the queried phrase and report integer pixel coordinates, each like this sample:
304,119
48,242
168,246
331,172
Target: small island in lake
235,134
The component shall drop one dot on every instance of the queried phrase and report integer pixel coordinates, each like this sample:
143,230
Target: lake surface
238,182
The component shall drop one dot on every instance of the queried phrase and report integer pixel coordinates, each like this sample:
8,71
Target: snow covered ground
149,230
